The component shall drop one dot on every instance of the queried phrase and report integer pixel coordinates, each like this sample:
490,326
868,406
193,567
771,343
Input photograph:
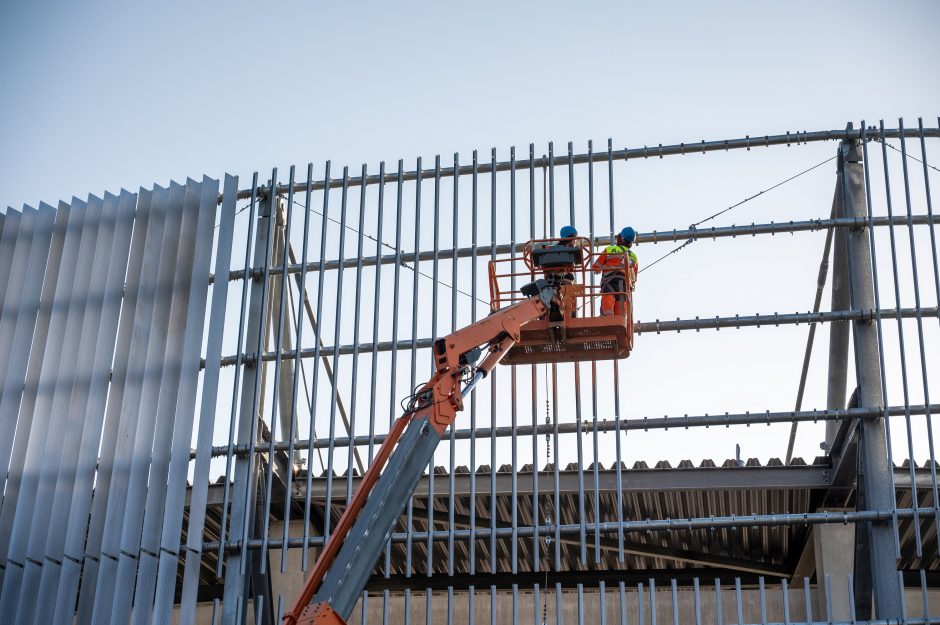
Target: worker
628,235
613,264
564,275
568,239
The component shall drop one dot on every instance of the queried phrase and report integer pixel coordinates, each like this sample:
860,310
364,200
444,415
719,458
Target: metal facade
193,382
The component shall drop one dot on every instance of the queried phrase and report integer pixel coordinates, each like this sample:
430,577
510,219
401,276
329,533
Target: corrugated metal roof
754,488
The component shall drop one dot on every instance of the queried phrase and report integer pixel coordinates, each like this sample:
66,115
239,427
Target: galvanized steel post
234,602
876,478
839,331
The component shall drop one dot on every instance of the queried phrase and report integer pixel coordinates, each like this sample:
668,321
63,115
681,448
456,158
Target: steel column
876,481
234,602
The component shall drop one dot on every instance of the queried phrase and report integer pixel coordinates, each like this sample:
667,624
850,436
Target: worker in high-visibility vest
613,264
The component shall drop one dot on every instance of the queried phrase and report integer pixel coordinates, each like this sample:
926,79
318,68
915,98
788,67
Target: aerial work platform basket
575,330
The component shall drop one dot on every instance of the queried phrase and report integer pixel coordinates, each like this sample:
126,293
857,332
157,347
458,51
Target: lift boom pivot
349,555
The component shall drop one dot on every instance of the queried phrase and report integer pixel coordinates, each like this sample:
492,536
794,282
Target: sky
105,95
100,95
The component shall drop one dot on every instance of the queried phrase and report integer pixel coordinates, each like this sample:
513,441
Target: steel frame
121,280
864,315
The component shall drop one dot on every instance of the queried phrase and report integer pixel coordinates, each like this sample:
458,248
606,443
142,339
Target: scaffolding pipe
665,236
609,527
756,418
626,154
641,327
808,351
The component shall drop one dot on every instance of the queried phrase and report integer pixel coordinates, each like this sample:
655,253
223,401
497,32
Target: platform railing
578,298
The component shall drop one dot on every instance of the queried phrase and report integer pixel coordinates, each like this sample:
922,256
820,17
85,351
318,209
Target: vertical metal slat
85,400
169,555
207,408
119,426
36,453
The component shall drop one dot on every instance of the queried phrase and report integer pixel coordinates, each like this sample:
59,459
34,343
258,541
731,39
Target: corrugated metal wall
102,323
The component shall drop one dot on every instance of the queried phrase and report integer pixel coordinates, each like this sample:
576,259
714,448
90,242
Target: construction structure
195,378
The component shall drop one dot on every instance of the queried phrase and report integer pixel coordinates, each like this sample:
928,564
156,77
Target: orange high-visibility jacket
613,259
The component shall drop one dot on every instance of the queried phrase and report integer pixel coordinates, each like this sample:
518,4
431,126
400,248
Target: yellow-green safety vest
621,249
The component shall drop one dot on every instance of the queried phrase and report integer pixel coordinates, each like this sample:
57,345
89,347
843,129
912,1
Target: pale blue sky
98,95
107,95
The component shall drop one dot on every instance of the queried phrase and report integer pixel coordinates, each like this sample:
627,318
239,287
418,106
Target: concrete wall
590,608
830,550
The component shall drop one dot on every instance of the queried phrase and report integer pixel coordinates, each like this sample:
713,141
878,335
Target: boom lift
347,560
576,332
540,323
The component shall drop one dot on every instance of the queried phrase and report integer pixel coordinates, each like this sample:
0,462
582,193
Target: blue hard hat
628,234
568,231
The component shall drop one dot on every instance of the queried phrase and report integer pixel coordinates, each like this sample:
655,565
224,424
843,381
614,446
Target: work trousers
613,293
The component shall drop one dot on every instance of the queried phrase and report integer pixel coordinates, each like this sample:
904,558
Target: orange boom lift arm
351,552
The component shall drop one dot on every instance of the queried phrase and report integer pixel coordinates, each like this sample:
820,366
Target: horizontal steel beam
524,581
794,477
641,549
798,477
626,154
589,579
625,425
634,481
627,527
665,236
776,319
641,327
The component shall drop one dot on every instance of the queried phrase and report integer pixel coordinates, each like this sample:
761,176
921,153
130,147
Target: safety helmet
628,234
568,231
